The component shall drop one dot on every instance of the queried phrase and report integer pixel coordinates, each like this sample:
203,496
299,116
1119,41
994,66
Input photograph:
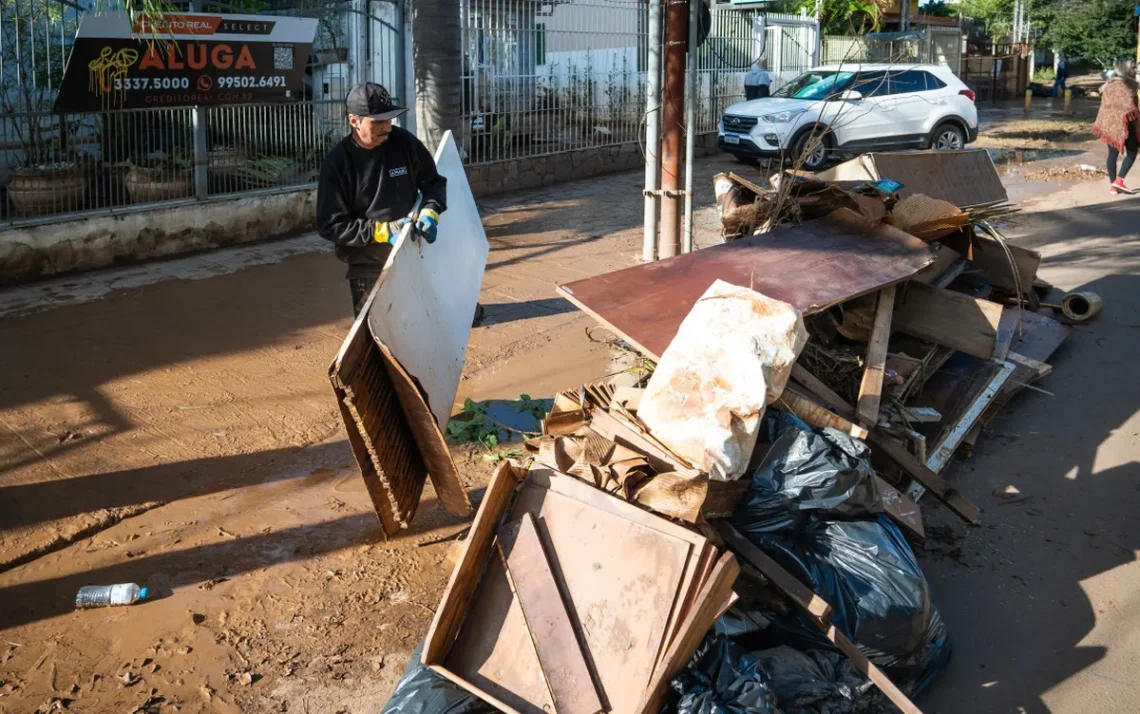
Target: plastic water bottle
107,595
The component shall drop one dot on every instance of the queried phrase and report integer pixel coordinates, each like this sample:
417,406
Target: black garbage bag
813,507
422,691
806,475
820,682
722,678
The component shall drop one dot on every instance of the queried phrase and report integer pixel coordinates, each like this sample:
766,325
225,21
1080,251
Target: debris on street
810,380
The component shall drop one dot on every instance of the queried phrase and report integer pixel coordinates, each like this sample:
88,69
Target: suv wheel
948,137
815,159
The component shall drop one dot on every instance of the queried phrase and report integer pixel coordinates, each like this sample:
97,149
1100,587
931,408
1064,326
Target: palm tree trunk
437,59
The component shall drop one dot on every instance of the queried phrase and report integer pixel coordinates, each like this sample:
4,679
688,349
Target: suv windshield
816,85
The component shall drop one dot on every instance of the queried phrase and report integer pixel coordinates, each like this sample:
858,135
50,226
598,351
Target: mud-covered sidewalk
173,425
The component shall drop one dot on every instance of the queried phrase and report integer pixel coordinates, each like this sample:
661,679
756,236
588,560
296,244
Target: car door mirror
851,95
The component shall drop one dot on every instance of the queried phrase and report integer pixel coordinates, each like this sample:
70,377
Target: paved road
1044,606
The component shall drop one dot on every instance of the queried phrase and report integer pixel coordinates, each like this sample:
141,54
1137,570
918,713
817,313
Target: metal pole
690,126
200,141
652,130
672,117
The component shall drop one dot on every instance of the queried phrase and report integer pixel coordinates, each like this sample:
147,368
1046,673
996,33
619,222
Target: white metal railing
541,78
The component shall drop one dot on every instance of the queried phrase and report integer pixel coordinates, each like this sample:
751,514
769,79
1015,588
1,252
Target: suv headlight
782,117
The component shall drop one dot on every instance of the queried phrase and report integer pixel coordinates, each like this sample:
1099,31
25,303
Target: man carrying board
369,185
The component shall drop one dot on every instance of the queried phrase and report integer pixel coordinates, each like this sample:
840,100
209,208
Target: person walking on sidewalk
1118,122
368,185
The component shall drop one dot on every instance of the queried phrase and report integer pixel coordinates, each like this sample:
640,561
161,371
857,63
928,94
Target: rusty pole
672,126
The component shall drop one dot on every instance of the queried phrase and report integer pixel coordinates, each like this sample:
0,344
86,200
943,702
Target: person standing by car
368,185
1118,122
757,82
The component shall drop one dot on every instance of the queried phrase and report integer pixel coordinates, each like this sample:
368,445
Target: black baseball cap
372,100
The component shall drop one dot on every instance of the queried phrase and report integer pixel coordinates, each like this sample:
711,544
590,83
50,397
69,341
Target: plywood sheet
964,178
812,266
611,567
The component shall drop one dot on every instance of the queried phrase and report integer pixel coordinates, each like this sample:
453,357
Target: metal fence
53,165
563,75
120,160
789,48
938,45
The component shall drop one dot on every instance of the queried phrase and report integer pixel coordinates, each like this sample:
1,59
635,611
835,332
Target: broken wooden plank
803,596
901,508
958,503
811,266
948,318
945,449
817,416
555,640
813,384
871,388
1039,369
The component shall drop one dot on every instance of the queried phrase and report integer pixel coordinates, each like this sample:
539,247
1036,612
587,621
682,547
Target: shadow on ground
1017,606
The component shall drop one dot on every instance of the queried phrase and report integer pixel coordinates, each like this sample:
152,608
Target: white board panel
426,298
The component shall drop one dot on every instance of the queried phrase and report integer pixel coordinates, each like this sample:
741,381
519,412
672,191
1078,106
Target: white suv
854,108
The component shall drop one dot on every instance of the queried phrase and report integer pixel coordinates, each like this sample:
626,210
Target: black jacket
361,187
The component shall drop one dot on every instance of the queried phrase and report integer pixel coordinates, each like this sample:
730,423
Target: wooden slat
817,416
803,595
812,266
555,640
901,508
824,392
472,559
948,318
871,388
867,667
920,473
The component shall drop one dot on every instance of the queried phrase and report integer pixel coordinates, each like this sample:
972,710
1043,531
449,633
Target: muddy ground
173,425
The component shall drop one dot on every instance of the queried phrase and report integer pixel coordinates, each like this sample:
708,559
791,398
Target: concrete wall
519,174
35,251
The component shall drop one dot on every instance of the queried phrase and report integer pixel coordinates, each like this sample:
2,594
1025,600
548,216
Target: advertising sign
183,60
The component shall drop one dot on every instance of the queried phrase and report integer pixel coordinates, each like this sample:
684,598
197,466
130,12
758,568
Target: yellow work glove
388,231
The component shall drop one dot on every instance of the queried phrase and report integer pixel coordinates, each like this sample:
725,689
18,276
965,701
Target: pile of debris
733,531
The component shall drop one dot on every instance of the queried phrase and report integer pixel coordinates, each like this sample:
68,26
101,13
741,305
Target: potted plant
160,176
44,175
44,171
